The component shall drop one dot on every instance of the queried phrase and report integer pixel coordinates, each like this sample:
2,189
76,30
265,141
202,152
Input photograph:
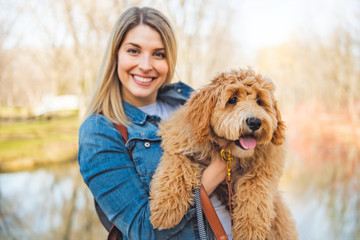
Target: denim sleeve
110,174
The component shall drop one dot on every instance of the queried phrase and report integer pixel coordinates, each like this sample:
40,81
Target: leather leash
211,215
207,206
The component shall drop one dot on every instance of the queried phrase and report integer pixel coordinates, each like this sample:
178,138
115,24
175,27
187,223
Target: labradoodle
237,111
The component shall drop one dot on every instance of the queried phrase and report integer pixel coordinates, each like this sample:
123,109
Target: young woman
133,89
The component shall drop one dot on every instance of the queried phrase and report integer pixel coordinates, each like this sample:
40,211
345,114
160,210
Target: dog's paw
248,232
164,218
168,209
171,190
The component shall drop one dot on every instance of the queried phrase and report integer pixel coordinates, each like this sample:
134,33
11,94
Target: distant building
50,104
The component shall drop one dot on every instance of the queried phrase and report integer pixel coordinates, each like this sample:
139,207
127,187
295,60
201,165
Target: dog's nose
253,123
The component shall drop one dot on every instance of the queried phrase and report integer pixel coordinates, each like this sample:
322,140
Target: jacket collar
134,114
174,94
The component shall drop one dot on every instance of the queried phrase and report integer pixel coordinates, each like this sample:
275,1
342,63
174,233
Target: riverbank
38,142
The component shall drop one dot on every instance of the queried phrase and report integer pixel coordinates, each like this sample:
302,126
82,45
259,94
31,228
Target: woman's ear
279,134
200,108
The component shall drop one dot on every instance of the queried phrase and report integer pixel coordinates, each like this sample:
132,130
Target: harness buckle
226,156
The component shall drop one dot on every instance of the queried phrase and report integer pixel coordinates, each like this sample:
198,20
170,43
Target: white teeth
141,79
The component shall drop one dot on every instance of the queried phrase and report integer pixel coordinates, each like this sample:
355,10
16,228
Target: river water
54,203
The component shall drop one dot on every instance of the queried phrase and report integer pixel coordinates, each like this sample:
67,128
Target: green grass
38,142
14,112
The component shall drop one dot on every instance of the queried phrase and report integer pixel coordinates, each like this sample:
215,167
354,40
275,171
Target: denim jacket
120,185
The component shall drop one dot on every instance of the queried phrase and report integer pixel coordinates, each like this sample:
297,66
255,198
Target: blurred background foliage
54,47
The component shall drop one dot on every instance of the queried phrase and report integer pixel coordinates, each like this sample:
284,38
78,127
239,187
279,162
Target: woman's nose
145,63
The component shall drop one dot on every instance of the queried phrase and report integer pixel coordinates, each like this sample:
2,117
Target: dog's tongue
247,142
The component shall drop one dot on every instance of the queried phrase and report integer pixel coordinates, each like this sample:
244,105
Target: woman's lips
141,80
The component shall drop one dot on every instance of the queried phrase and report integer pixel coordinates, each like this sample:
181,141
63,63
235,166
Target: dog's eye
259,102
233,100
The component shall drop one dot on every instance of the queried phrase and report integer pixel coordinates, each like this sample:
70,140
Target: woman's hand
214,174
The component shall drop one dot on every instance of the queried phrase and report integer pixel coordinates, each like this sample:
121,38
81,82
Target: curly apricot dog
237,111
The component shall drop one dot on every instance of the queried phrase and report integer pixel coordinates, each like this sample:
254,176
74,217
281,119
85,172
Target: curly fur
210,121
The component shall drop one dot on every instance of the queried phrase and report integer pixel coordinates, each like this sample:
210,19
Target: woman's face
142,67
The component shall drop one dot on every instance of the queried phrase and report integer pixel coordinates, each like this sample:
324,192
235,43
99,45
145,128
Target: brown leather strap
211,215
123,131
230,195
114,233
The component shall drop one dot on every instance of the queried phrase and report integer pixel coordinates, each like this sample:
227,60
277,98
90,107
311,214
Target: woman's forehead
144,36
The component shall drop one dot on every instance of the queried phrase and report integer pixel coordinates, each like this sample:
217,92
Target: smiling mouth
143,80
246,142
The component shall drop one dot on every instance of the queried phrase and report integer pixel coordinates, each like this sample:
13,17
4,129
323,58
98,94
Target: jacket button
147,144
178,90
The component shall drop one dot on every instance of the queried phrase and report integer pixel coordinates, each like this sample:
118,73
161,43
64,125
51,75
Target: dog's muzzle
248,142
253,123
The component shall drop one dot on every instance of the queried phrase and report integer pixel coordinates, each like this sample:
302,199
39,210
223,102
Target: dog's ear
279,134
200,108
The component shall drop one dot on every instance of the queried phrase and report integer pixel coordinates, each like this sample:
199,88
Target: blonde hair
107,98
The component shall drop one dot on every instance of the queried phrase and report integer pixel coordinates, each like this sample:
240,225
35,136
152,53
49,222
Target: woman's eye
259,102
132,51
159,55
233,100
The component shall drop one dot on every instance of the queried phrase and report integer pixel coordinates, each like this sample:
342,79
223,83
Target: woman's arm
214,174
110,174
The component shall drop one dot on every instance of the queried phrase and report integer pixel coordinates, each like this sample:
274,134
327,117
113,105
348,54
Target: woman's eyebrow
138,46
134,44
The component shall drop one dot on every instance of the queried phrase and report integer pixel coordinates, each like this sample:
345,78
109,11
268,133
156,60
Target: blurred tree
311,70
205,42
343,70
7,22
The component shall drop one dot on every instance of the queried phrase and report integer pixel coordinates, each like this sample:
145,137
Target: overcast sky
270,22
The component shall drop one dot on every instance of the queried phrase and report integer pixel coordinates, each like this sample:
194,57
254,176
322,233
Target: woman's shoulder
182,85
96,122
175,93
179,87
